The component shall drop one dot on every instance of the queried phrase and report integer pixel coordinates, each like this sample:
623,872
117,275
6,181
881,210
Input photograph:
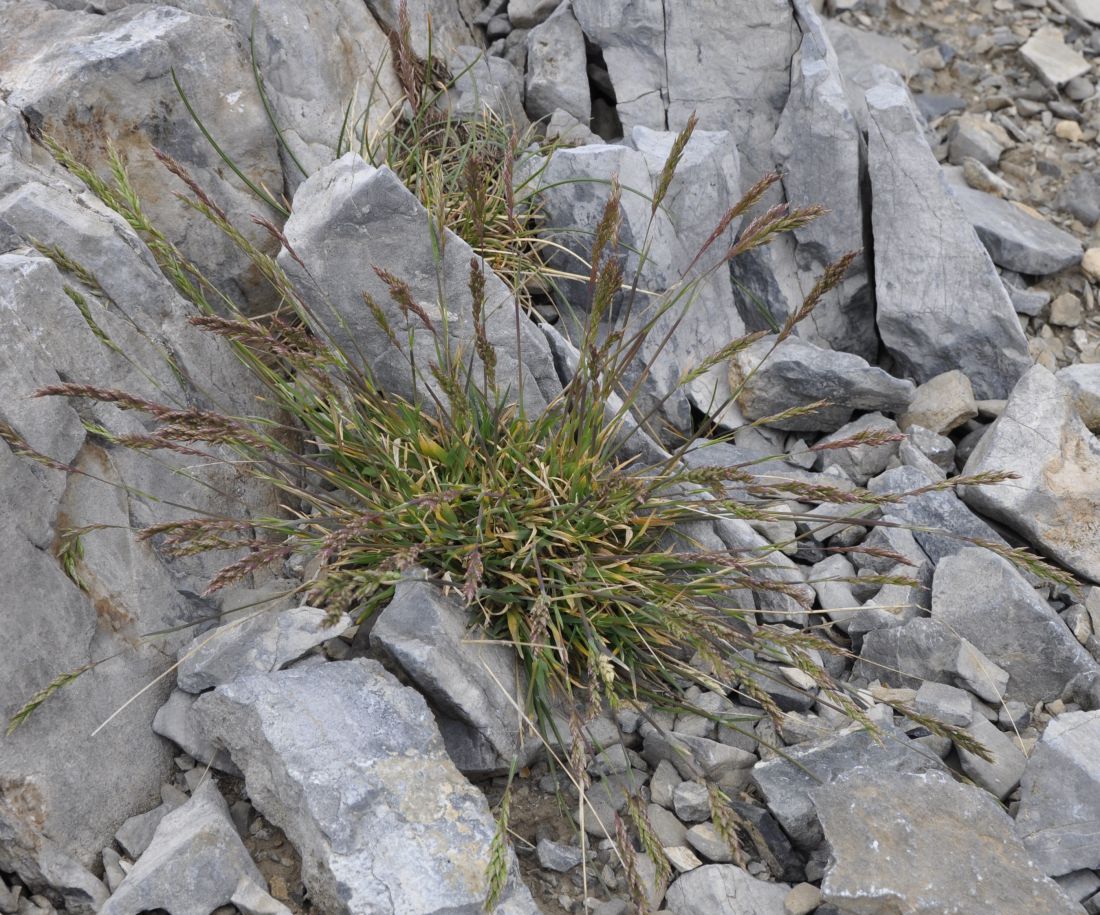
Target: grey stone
1054,503
691,802
428,634
527,13
126,90
195,863
255,642
1059,809
939,449
724,888
1081,197
817,144
401,830
893,535
798,373
485,84
350,217
136,833
557,78
695,756
556,856
1030,302
1079,885
835,597
663,784
925,649
1053,60
665,60
861,462
1089,10
127,589
787,783
938,519
682,858
959,849
437,26
1083,382
174,721
698,316
1015,239
941,404
984,599
670,831
866,59
1003,773
705,839
973,137
956,317
944,703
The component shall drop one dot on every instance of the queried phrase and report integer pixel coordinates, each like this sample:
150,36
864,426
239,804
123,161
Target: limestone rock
724,888
396,828
932,321
984,599
1059,809
195,863
1055,503
556,74
958,846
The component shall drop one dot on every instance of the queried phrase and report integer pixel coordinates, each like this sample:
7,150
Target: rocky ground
285,767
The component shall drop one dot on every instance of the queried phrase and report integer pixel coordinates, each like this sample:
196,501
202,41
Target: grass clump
568,534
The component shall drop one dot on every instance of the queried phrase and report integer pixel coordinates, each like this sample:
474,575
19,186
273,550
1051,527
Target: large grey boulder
468,678
435,26
88,80
819,147
1059,816
923,843
665,61
253,642
724,888
556,68
923,650
53,326
1015,239
195,863
984,599
1055,503
314,57
787,782
351,217
797,373
957,316
349,764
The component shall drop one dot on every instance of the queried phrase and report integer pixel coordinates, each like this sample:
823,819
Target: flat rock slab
983,598
350,765
923,844
724,888
957,316
787,783
195,863
253,643
1059,816
1049,55
1056,502
1015,239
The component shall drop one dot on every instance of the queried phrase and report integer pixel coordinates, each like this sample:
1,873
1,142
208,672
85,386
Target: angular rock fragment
724,888
195,863
1059,815
1049,55
254,642
932,321
468,678
925,649
350,217
798,373
959,851
1083,382
983,598
1055,504
349,764
787,783
556,68
1015,239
